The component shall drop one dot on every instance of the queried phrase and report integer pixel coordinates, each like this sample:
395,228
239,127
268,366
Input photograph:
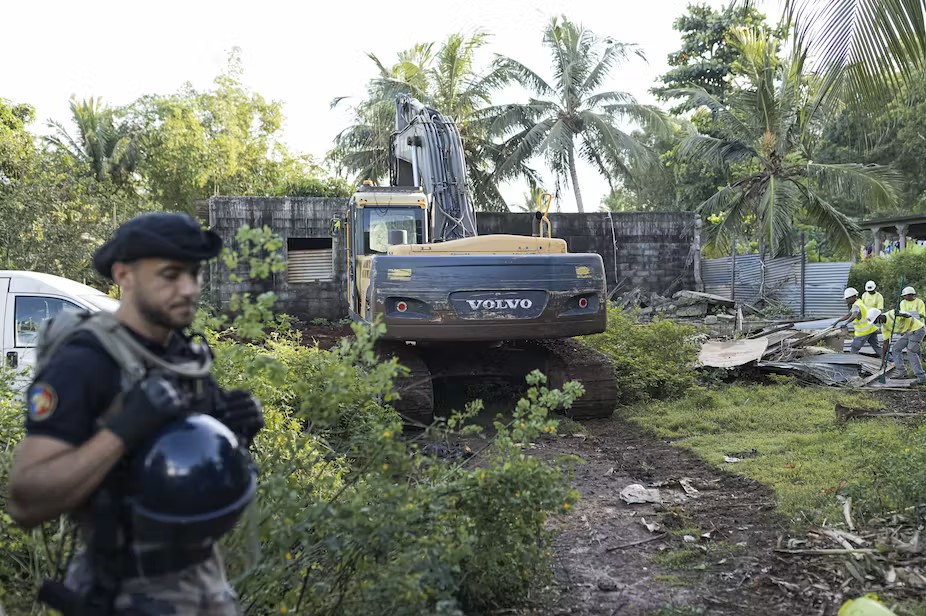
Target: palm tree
571,109
447,80
768,131
863,47
110,151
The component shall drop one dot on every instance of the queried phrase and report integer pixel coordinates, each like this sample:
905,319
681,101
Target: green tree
891,135
445,78
53,212
706,56
769,131
107,148
571,109
16,146
226,140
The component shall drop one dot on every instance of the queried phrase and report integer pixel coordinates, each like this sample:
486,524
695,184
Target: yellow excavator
457,304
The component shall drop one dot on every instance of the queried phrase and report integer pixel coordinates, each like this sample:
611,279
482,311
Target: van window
32,311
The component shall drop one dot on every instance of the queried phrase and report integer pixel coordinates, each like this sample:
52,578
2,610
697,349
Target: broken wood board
844,413
732,353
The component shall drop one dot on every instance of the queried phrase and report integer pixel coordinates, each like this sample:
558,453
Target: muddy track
607,562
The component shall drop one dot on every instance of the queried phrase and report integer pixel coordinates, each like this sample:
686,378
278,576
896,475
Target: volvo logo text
498,304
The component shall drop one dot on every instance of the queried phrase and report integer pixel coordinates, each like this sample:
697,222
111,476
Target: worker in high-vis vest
908,331
911,304
872,298
863,329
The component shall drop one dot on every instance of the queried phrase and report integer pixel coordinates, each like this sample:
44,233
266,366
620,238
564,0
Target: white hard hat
870,285
873,313
849,293
908,291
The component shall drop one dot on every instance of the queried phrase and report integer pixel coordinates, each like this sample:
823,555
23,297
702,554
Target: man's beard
157,316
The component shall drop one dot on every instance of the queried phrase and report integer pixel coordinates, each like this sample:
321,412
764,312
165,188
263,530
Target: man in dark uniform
71,447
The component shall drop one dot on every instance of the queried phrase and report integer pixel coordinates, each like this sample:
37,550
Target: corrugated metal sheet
309,266
778,280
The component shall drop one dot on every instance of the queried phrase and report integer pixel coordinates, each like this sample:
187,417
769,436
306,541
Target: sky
302,54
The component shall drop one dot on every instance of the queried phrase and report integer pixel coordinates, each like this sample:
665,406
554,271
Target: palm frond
613,53
724,118
652,119
514,71
863,47
841,231
734,204
873,184
719,152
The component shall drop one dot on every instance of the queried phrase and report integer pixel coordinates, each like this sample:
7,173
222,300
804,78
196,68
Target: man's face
909,297
165,292
851,300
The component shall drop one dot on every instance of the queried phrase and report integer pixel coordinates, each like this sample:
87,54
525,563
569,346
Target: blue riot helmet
190,482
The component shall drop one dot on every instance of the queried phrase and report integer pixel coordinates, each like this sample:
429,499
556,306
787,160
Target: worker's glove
241,412
842,325
904,315
148,406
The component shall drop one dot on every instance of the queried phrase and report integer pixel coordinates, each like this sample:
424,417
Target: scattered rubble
888,554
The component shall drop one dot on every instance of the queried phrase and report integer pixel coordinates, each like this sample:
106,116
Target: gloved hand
241,412
148,406
904,315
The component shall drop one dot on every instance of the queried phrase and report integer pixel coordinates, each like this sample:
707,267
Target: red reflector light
401,306
583,302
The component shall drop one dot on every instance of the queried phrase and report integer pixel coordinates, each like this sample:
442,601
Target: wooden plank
730,353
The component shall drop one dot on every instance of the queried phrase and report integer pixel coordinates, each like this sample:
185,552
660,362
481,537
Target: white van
29,298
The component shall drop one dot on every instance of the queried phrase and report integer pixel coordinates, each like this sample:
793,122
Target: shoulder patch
42,401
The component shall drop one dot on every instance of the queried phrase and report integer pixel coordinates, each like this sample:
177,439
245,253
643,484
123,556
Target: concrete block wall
650,251
653,249
290,217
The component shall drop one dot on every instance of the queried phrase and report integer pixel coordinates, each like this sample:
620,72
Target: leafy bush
886,272
352,516
652,360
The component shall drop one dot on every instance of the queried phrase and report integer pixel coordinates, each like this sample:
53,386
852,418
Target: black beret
159,235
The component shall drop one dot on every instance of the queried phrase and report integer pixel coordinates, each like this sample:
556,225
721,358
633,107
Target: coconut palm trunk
575,177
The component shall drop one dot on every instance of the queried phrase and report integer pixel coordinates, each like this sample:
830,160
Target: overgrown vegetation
652,360
887,271
351,516
786,436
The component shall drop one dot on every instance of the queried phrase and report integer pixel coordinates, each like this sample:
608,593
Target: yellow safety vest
873,300
916,306
861,326
904,326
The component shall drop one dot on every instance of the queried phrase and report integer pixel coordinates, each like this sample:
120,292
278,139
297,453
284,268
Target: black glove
147,407
241,412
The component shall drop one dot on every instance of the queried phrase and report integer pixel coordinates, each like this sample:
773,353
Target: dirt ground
712,551
607,562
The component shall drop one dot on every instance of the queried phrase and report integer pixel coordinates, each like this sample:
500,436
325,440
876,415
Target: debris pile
887,555
813,355
722,316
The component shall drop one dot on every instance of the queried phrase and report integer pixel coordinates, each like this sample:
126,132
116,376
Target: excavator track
561,360
570,360
415,389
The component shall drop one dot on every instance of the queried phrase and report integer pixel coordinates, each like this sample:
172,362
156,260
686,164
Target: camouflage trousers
199,590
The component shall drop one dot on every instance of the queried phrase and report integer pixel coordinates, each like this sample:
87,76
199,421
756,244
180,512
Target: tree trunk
575,177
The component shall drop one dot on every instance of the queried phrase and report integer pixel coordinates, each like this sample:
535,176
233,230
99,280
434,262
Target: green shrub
652,360
887,271
352,517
